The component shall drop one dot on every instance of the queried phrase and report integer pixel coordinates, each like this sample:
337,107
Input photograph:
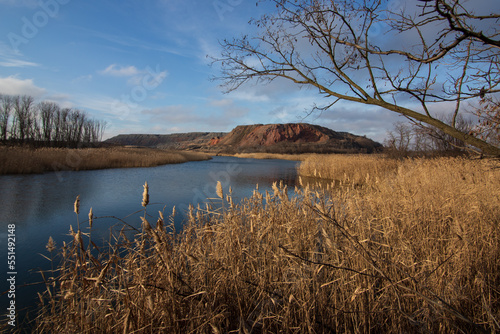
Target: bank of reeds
417,251
26,160
348,168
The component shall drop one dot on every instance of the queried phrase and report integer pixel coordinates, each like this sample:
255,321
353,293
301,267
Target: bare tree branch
332,45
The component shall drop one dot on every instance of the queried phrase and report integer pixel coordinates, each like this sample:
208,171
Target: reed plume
218,189
145,195
77,205
51,245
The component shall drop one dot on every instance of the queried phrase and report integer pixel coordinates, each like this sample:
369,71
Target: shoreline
263,156
25,160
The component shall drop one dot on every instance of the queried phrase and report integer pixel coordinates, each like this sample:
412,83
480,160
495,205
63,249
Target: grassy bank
25,160
414,248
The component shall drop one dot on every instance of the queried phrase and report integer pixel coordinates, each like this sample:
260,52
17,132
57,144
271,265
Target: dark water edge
41,206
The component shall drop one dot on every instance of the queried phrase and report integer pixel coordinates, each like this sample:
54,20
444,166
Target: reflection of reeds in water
414,251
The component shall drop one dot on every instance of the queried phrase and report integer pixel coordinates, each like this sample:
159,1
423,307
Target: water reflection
42,205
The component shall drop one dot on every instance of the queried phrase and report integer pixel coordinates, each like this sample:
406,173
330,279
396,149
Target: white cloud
374,122
63,100
221,103
174,114
249,96
119,71
230,110
12,58
16,63
148,77
12,85
105,105
187,117
83,78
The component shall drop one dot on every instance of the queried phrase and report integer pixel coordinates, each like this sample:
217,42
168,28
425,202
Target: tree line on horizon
22,121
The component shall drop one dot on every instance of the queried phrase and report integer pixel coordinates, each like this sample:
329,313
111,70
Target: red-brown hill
269,138
291,138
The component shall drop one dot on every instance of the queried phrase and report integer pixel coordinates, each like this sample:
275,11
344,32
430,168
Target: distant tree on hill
410,58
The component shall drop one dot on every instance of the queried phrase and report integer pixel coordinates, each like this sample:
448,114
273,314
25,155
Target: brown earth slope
291,138
269,138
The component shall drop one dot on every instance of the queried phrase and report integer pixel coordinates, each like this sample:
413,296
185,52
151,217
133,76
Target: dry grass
352,168
25,160
414,252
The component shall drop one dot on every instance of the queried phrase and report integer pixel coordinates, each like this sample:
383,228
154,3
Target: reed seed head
78,238
77,205
145,195
51,245
275,189
219,190
91,218
145,224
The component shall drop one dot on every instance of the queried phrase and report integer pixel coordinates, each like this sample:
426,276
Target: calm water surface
41,206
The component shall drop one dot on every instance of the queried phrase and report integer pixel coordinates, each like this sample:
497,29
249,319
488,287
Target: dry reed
25,160
352,168
414,252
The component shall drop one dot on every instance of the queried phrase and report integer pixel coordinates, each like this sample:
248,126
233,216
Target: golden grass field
403,246
25,160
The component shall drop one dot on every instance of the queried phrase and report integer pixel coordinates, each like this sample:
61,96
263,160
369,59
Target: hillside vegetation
403,247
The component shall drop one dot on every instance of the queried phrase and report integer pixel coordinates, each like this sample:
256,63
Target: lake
41,205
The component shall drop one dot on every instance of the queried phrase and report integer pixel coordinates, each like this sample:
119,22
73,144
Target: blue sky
141,66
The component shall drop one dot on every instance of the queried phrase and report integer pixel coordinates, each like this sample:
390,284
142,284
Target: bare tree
408,59
400,139
413,138
75,126
33,125
46,122
441,141
98,133
23,116
48,112
5,112
63,125
488,127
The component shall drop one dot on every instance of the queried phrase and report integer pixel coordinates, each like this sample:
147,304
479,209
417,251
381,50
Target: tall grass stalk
412,250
